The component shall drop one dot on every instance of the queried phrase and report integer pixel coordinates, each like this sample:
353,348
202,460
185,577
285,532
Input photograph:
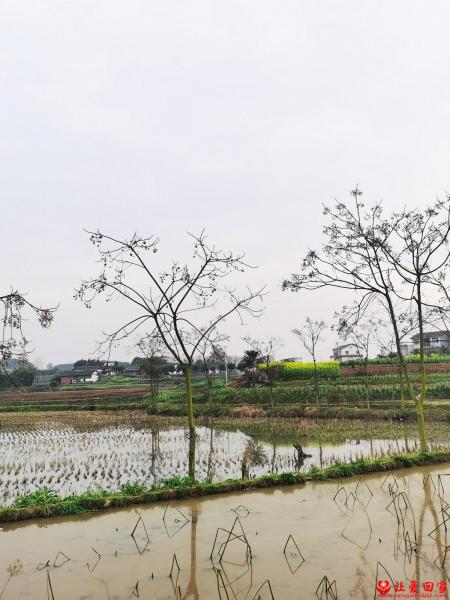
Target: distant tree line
21,377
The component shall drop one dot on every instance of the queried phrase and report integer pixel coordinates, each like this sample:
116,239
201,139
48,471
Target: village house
435,342
346,352
78,376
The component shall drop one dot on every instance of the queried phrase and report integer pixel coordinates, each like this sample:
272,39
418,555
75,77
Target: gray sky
241,117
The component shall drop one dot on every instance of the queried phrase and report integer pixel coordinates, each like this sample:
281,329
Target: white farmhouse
435,342
346,352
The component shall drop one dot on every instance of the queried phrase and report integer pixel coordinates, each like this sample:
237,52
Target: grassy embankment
45,503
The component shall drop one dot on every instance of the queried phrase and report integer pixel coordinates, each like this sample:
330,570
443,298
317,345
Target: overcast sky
240,117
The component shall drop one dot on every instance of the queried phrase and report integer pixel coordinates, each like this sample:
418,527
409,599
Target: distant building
78,376
131,371
435,342
292,359
346,352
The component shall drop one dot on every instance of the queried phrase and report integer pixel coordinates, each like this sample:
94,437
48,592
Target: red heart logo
383,587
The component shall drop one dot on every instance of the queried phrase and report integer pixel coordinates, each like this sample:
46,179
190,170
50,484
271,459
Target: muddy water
342,539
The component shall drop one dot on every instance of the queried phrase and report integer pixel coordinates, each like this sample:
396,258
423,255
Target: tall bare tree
420,255
366,253
310,336
183,304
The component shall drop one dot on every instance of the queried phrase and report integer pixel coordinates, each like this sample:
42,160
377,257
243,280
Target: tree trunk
191,456
423,378
192,588
210,384
366,380
402,390
417,401
316,383
420,416
190,407
269,381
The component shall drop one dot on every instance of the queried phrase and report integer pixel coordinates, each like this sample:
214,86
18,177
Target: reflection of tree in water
190,435
192,589
13,570
440,546
274,456
253,455
362,583
191,454
155,450
210,470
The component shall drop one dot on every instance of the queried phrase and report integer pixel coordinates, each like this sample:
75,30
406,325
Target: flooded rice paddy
73,453
320,540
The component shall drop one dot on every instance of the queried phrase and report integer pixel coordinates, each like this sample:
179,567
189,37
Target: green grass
387,463
45,503
42,497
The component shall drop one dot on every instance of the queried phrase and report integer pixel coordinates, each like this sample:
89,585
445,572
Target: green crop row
412,358
304,393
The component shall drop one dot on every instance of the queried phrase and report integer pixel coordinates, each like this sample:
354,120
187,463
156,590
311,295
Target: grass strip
45,503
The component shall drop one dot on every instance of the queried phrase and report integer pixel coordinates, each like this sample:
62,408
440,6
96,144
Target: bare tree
13,343
183,304
354,257
153,362
420,255
210,355
362,335
310,336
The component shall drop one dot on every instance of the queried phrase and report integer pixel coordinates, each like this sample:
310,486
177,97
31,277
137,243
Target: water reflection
71,459
192,588
292,537
191,453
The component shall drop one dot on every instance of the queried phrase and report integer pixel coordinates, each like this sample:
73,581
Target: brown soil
127,392
352,371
